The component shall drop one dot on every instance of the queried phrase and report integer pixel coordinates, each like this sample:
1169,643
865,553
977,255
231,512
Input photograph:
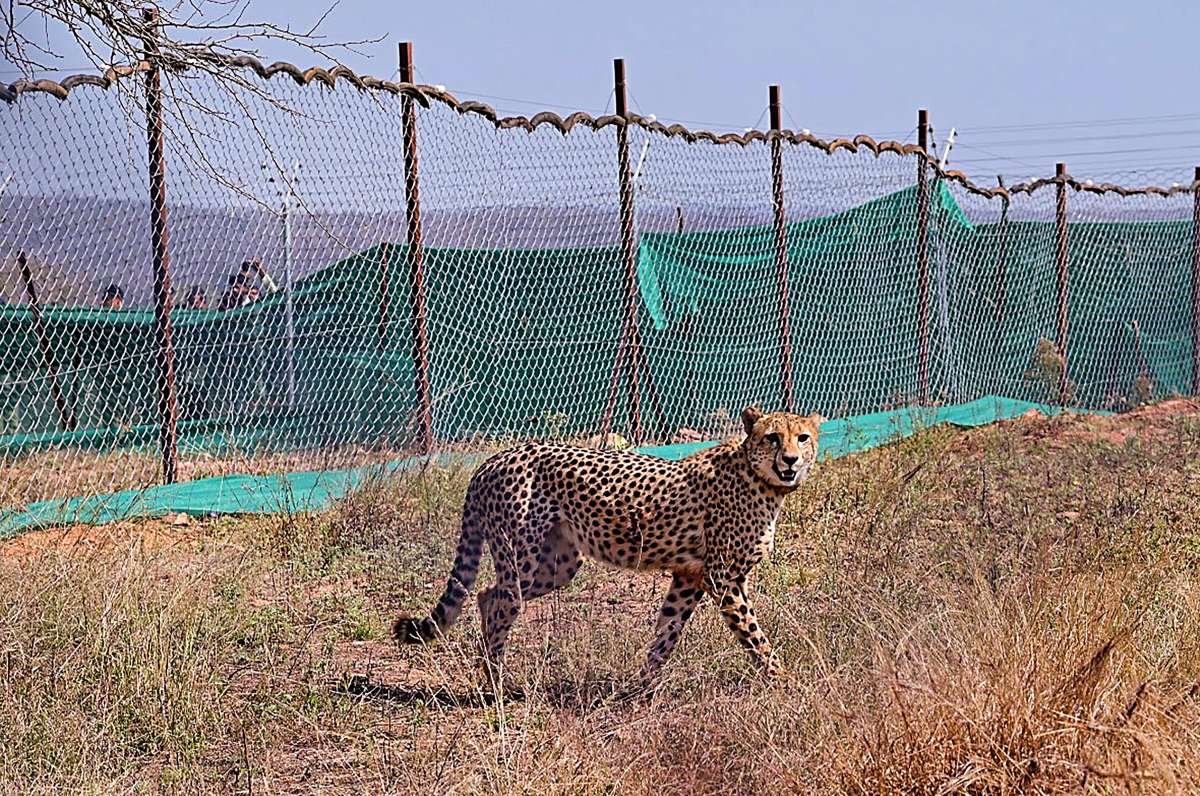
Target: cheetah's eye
803,438
773,439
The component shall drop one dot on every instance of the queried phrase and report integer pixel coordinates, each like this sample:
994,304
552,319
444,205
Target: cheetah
707,519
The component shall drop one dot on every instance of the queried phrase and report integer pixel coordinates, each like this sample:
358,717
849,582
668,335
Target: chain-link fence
361,269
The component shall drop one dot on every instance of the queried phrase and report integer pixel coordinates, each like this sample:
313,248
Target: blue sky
1106,86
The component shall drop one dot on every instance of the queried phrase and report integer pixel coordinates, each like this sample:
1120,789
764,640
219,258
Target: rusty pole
1060,219
782,289
923,257
1196,283
66,417
629,349
629,249
165,353
416,256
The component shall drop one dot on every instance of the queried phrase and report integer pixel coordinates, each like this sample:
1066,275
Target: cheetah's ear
818,418
750,416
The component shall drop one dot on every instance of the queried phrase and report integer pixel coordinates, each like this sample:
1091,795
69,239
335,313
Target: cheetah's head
780,447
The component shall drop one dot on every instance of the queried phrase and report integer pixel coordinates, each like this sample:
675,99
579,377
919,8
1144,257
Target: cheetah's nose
790,460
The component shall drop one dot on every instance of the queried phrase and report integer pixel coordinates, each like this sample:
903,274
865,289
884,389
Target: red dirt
1152,420
86,539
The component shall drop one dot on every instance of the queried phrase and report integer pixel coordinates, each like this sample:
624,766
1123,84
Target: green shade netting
523,342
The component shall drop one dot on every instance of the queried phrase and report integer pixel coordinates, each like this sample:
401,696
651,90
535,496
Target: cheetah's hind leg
521,578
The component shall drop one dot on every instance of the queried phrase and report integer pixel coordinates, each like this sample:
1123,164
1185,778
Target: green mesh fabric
853,336
1128,321
229,368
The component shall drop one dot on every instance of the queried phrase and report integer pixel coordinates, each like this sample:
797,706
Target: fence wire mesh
296,283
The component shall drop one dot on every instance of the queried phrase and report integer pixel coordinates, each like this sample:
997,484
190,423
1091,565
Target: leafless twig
196,36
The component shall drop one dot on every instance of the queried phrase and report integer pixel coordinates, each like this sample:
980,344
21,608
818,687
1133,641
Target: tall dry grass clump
111,661
1047,683
1042,685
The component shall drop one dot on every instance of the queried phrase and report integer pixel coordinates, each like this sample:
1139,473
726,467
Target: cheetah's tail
411,630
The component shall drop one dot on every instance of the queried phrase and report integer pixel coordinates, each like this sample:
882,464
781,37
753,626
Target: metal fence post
923,257
1060,219
782,288
165,351
629,349
66,416
416,256
1196,283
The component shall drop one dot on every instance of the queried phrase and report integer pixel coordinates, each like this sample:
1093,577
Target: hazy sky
1107,86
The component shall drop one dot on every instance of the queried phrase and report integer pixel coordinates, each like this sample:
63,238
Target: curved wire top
425,95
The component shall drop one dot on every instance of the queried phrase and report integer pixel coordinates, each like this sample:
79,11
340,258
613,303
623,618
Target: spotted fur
707,519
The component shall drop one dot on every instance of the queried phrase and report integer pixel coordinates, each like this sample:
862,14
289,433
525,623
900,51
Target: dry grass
1014,609
69,472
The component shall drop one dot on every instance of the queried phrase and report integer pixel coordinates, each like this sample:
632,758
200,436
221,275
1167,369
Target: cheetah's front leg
739,615
681,600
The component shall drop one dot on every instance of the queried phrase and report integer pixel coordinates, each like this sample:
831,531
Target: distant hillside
78,246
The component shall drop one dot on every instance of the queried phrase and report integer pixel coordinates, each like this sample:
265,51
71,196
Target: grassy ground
70,473
1011,609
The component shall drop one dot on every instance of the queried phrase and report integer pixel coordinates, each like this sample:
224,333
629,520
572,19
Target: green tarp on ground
313,491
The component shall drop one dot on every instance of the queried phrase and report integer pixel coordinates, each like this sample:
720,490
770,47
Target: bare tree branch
191,34
195,42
